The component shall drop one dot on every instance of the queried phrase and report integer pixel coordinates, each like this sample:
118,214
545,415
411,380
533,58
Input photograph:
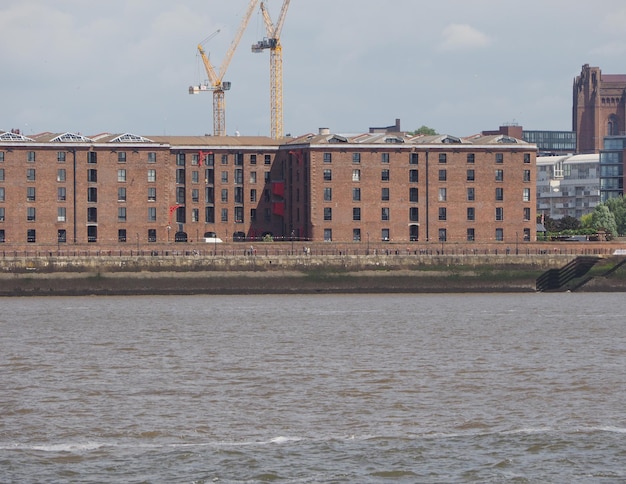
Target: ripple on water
403,388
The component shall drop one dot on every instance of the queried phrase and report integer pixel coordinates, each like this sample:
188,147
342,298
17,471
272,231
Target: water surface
346,388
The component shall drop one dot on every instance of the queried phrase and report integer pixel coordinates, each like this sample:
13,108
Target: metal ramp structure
557,279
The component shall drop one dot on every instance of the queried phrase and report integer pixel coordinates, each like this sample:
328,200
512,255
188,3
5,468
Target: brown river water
306,389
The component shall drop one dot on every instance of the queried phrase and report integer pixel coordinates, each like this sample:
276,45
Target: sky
457,66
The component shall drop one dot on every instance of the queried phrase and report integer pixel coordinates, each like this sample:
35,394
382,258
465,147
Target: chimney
324,131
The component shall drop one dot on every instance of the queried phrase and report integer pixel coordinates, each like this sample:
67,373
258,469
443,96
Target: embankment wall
260,274
185,263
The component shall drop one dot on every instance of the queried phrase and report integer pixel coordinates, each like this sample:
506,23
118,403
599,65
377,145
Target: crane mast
216,82
272,42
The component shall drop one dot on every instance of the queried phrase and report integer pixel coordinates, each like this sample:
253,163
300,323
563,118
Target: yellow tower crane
216,83
272,42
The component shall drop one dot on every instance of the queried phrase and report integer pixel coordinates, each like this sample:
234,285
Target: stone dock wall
193,273
194,262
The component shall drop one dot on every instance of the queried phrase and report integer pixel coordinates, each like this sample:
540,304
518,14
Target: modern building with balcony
568,185
612,167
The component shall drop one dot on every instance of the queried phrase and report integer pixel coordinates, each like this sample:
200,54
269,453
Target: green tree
603,219
424,130
569,223
585,220
617,206
551,224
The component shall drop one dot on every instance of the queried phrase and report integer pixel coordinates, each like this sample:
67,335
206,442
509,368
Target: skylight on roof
394,140
71,138
130,138
507,139
338,139
8,136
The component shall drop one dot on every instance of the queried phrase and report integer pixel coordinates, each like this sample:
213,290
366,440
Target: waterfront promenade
279,268
306,248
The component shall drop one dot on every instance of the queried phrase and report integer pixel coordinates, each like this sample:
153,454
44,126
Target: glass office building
552,142
612,168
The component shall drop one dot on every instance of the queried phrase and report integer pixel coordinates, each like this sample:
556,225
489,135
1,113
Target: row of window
92,175
92,156
414,175
92,214
122,214
414,194
92,232
209,177
209,158
471,194
385,214
471,175
471,235
92,195
384,175
356,235
384,158
121,157
196,158
385,234
384,196
414,158
471,214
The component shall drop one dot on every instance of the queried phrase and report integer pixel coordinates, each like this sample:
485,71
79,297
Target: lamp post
516,243
368,244
169,227
293,234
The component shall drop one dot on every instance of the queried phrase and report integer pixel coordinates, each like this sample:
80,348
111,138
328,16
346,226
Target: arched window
613,126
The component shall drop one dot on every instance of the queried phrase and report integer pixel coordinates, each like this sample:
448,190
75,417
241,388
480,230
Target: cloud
73,65
610,49
611,27
463,37
614,20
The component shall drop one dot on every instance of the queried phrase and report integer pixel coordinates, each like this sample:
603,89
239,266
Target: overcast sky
458,66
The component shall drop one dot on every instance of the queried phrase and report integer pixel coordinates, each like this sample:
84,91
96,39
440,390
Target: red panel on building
278,189
278,208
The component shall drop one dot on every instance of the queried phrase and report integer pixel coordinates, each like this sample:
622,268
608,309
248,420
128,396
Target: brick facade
120,190
599,108
402,189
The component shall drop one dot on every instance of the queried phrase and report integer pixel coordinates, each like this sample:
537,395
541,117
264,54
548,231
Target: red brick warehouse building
407,189
116,190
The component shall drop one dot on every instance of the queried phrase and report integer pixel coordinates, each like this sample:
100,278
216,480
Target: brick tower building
598,108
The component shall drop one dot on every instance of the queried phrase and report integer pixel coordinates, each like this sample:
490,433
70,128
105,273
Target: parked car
212,238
